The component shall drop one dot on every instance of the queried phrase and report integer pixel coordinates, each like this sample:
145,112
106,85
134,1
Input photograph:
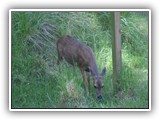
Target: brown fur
75,52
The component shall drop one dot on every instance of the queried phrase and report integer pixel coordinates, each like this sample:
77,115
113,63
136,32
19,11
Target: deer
76,52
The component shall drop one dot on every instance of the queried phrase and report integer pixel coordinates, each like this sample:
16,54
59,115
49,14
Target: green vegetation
36,80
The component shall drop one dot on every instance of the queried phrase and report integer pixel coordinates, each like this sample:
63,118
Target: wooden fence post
116,51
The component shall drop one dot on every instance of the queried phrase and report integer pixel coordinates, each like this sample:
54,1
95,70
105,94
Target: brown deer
75,52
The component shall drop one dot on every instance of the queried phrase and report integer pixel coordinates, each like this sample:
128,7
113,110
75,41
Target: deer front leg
84,80
88,79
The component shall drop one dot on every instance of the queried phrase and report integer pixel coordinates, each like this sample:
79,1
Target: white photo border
82,109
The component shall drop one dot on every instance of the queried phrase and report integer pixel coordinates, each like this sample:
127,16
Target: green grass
36,80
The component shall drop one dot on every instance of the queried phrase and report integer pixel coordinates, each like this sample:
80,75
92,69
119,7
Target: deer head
98,84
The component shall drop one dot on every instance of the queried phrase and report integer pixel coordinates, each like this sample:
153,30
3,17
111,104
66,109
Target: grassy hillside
36,80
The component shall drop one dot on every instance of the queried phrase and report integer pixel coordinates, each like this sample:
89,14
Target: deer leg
88,79
59,60
84,80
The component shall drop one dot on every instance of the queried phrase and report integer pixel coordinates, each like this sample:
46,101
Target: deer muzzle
99,97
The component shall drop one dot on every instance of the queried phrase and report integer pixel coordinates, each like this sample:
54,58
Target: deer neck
94,67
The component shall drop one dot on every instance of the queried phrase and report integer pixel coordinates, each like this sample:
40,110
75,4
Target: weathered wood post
116,51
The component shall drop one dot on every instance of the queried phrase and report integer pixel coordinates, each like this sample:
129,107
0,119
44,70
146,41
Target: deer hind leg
84,80
59,58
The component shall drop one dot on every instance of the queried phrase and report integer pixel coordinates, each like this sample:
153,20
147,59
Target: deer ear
103,71
91,72
95,85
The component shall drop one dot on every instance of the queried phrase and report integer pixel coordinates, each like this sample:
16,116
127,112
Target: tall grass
36,80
